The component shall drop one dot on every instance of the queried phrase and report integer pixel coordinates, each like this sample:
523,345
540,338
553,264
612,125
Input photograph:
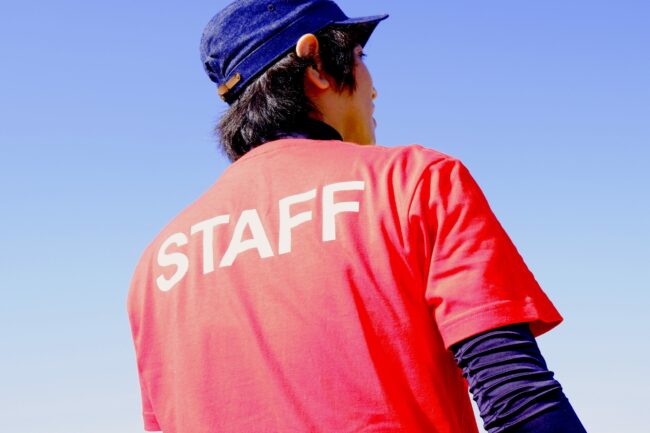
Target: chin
373,139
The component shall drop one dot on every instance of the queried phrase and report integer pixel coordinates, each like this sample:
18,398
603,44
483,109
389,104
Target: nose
374,93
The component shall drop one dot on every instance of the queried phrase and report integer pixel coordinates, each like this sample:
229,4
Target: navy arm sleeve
511,384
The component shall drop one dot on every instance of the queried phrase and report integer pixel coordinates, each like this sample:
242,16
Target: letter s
179,260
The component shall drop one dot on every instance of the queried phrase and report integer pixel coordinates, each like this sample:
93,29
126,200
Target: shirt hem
495,315
150,422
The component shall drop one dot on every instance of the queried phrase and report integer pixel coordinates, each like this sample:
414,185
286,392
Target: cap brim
367,24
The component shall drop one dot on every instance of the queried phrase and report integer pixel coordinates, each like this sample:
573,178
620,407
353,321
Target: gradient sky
106,124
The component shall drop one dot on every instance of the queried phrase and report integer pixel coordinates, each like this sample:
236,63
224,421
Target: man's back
317,287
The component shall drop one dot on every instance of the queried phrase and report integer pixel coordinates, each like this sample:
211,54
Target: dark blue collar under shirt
312,129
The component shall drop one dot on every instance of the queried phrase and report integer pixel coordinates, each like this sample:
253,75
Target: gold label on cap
225,88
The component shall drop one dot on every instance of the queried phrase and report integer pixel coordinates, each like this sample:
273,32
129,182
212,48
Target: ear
308,48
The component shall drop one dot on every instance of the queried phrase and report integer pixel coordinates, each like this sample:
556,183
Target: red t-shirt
317,287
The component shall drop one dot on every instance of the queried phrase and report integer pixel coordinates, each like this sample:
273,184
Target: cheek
364,77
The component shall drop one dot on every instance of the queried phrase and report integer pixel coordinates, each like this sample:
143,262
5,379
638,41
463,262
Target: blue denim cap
249,36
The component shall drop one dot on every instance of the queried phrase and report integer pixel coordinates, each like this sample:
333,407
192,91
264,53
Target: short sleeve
135,310
148,416
476,279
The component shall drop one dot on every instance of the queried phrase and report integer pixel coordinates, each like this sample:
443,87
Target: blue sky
106,133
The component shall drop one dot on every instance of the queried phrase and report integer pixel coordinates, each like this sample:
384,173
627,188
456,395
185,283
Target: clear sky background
106,123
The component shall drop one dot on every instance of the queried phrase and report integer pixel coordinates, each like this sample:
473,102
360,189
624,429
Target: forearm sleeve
511,384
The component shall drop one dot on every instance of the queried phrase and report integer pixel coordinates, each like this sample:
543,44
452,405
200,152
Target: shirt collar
314,130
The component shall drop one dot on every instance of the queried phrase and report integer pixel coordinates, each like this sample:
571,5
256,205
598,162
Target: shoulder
415,160
414,150
411,156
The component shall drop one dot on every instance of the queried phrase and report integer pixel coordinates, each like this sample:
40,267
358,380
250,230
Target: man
324,283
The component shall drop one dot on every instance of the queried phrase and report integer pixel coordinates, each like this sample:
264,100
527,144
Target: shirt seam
447,158
421,179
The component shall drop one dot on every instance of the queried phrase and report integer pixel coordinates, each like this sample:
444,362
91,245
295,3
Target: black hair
276,101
